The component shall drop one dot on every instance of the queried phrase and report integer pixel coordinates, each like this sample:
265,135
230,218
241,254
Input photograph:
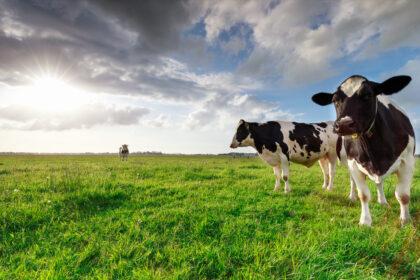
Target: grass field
75,217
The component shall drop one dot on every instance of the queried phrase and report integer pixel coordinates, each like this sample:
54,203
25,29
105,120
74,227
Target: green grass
94,217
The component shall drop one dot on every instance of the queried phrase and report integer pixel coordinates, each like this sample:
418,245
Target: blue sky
176,76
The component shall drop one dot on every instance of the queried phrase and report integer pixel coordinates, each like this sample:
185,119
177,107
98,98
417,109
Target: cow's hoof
287,190
329,189
353,198
405,221
324,187
365,222
384,203
276,189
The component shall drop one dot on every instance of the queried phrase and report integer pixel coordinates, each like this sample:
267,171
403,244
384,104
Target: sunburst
50,92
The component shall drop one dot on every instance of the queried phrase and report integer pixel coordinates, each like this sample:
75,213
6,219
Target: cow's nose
346,123
232,146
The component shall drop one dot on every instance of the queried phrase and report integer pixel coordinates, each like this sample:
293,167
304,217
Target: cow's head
356,104
242,137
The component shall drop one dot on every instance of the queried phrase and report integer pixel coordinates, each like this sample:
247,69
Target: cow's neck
377,150
253,130
364,149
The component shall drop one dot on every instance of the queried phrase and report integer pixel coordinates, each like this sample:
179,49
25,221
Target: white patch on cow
248,141
272,158
345,118
351,85
385,100
235,143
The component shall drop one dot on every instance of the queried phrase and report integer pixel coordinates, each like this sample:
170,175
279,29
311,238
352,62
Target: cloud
20,117
234,46
150,48
224,110
160,121
409,97
117,43
299,41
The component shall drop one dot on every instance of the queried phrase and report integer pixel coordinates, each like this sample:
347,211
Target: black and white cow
279,142
378,136
123,152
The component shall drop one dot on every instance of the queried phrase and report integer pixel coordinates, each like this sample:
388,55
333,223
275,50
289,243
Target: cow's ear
322,98
393,85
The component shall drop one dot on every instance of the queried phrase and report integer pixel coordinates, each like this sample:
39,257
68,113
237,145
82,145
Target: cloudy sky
176,76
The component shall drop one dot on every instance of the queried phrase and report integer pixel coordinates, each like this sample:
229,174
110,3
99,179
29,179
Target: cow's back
307,143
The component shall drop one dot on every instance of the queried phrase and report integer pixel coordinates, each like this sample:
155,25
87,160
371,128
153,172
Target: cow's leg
402,192
353,192
364,196
285,173
277,173
323,163
331,172
381,195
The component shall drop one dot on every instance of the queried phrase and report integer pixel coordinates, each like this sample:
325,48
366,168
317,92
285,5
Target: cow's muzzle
345,126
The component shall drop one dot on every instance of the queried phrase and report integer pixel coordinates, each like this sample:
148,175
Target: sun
49,85
51,93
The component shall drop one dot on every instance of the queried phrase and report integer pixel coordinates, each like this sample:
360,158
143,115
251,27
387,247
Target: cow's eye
337,103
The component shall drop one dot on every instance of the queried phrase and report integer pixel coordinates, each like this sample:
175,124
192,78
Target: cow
123,152
378,137
279,142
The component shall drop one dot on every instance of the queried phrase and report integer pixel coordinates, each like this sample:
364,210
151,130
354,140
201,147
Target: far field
191,217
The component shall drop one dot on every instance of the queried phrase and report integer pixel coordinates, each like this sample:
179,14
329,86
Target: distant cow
378,136
124,152
279,142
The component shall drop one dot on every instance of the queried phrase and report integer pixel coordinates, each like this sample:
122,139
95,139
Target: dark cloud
105,46
150,48
158,23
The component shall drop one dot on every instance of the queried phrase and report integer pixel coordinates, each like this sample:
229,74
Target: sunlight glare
52,93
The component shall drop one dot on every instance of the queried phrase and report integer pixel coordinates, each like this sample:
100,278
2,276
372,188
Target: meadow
193,217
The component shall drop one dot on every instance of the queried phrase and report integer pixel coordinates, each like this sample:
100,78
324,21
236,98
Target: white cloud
234,46
222,111
409,97
145,49
19,117
300,40
160,121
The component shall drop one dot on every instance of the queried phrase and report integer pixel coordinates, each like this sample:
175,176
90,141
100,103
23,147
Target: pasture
193,217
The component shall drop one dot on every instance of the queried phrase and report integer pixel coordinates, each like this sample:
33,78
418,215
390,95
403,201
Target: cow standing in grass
378,136
279,142
124,152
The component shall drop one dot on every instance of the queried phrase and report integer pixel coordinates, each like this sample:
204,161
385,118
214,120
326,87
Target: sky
177,76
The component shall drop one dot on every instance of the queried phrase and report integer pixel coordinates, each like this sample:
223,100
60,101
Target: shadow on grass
21,227
74,206
92,203
337,199
4,172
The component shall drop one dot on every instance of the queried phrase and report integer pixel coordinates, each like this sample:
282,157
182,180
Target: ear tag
354,136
